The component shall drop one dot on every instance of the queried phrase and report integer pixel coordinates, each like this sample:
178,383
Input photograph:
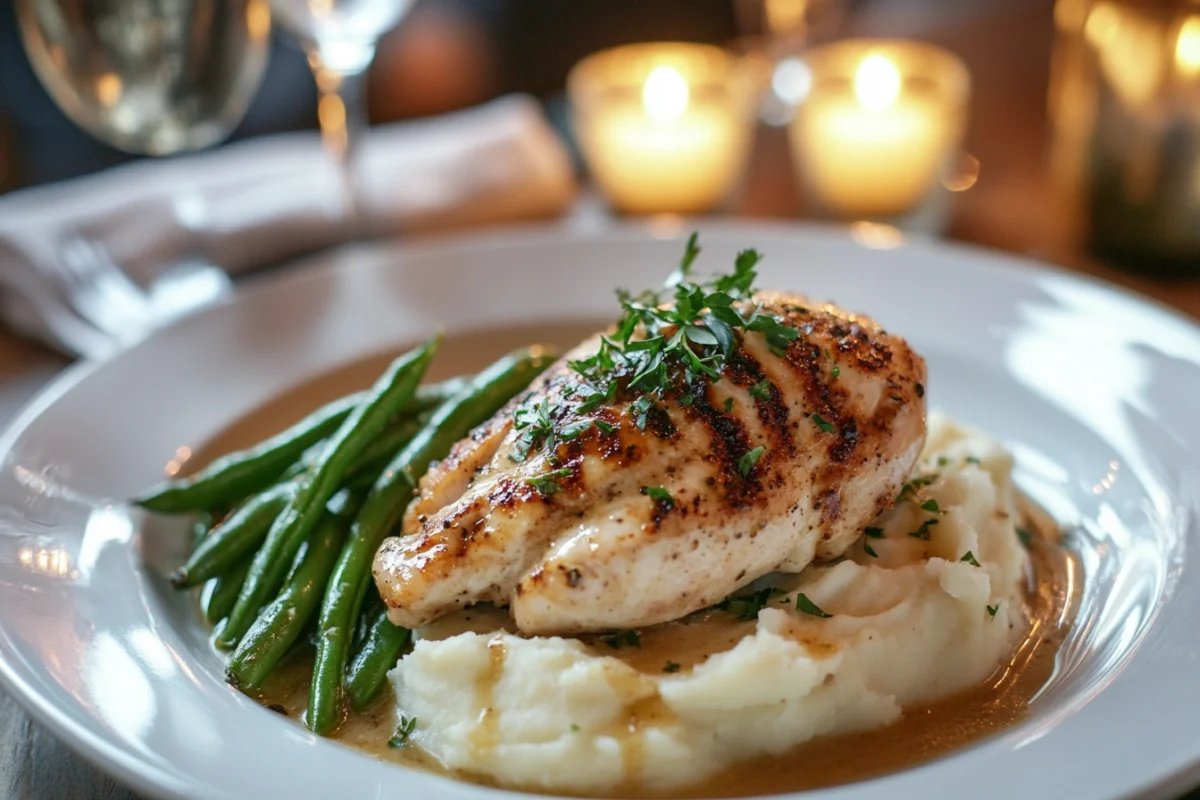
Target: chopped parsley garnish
747,606
575,728
943,461
746,463
666,344
403,731
547,483
870,550
923,531
809,607
573,430
822,423
969,557
930,505
659,344
534,423
1026,536
836,370
605,427
641,409
623,639
973,460
874,533
671,667
993,609
659,495
761,390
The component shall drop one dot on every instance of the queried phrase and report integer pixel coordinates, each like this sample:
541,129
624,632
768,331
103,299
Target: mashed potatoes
926,604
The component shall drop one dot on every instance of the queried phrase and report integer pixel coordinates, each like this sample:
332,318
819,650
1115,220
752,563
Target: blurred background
1062,95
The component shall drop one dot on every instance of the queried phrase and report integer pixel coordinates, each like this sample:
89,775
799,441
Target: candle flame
1187,47
665,94
877,82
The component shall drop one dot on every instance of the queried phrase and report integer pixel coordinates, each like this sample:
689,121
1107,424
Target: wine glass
340,37
152,77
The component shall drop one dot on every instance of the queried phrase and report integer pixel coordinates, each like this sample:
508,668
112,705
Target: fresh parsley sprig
662,345
665,343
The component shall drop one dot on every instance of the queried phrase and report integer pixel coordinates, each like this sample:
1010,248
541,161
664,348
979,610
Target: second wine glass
340,38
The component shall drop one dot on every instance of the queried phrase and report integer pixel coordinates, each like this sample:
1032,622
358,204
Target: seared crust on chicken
625,526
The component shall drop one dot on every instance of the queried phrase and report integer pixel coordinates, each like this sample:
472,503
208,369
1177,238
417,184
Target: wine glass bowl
151,77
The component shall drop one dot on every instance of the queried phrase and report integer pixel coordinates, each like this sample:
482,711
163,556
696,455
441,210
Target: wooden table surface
1013,207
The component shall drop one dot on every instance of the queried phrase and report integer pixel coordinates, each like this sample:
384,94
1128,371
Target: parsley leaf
573,430
969,557
728,404
605,427
761,390
403,731
659,495
993,609
623,639
923,531
746,463
747,606
930,505
973,460
535,424
874,533
809,607
836,371
547,483
822,423
869,550
1026,536
671,667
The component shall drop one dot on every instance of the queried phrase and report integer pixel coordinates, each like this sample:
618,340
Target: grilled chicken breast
624,526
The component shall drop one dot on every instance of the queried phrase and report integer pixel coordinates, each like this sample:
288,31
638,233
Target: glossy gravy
923,733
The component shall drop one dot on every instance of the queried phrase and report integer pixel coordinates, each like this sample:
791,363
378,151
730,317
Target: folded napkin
260,201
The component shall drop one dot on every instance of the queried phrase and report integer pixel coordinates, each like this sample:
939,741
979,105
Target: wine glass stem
342,114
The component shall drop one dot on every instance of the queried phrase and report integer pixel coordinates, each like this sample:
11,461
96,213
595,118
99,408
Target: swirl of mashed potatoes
926,604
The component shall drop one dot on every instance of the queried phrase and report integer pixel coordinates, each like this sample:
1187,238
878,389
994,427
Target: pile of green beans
308,508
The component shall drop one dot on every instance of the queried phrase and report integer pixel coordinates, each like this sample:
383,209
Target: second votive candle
881,126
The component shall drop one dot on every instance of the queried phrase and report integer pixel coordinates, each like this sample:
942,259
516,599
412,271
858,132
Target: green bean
238,534
282,622
379,652
241,474
432,395
382,510
220,593
317,485
376,455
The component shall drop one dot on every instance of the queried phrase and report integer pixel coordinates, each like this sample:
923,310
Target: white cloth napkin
263,200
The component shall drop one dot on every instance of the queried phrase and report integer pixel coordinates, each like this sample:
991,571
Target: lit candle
663,127
881,123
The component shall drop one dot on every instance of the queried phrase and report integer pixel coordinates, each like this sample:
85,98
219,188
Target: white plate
1097,392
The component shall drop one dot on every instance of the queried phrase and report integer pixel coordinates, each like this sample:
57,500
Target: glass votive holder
880,131
1125,130
663,127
